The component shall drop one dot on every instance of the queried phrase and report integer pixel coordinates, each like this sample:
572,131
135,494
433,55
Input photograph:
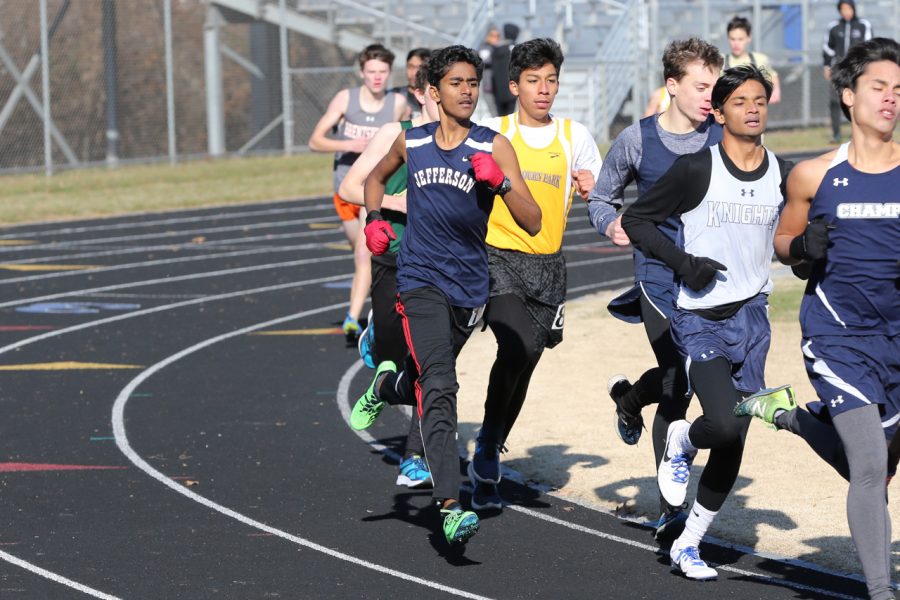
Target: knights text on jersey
447,214
734,224
857,289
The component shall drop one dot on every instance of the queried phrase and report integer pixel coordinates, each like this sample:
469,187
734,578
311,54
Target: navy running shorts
851,371
743,339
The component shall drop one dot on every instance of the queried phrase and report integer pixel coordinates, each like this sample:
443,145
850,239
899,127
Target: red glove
486,170
379,233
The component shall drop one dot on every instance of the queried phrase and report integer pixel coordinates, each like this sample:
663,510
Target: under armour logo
747,192
705,355
836,401
841,181
369,118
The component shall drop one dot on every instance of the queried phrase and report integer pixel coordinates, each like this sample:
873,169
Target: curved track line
190,276
118,423
342,400
55,577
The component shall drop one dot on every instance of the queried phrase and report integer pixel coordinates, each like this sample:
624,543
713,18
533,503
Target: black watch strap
373,215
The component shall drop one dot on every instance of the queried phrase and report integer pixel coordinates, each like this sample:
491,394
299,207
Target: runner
356,114
739,40
558,158
727,199
843,216
442,273
414,60
642,153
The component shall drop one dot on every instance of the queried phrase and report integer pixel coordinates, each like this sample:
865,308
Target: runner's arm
586,162
381,172
616,173
802,184
319,140
678,191
353,186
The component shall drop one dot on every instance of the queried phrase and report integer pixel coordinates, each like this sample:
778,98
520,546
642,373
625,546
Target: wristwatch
504,187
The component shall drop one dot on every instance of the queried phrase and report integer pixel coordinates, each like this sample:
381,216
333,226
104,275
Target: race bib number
560,319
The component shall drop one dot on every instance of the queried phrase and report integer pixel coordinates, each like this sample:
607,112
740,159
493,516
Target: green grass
97,192
784,303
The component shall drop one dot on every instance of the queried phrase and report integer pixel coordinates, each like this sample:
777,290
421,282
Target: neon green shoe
766,402
368,407
459,524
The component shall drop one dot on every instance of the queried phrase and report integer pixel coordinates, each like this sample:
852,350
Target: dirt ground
787,501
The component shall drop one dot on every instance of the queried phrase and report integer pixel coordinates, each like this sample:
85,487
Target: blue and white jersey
447,215
856,290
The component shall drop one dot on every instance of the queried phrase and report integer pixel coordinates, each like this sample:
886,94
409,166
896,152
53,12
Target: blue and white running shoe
366,343
414,473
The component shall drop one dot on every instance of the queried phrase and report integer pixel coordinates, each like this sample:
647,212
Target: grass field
101,191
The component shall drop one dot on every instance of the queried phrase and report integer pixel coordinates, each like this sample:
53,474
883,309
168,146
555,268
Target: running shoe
368,407
485,465
675,467
414,473
366,344
765,403
670,524
628,427
686,560
459,525
351,329
486,496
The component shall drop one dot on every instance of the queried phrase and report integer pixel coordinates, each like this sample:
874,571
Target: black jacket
841,35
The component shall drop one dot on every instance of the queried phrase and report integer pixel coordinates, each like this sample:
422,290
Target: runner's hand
697,272
379,233
583,180
615,233
812,244
487,170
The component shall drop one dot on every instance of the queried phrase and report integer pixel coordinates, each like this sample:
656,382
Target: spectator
842,33
503,98
485,50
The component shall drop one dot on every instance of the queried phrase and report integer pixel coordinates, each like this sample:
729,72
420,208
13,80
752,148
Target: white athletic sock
698,521
684,439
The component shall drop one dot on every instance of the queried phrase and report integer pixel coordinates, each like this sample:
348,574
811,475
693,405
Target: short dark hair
422,53
422,75
738,22
375,52
680,53
534,54
858,57
733,78
442,59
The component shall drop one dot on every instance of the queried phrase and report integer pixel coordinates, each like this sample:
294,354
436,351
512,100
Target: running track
174,392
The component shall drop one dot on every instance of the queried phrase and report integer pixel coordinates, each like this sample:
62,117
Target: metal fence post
45,84
286,102
170,87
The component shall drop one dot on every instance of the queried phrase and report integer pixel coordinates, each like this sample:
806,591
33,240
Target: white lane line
163,261
181,246
343,402
212,216
165,280
118,423
163,234
55,577
148,311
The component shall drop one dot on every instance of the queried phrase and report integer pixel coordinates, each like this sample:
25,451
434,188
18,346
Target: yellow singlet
548,173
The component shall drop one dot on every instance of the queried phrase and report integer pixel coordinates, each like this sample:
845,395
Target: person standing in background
739,40
842,33
485,50
504,99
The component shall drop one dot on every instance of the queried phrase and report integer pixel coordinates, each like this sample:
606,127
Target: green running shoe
368,407
766,402
459,524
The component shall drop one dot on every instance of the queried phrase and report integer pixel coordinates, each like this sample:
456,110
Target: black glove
802,270
697,272
812,244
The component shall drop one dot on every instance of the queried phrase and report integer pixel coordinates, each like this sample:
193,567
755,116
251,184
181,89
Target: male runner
558,157
843,216
727,199
455,168
414,60
355,114
642,153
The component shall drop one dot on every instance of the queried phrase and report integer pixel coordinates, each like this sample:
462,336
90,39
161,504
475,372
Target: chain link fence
127,81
